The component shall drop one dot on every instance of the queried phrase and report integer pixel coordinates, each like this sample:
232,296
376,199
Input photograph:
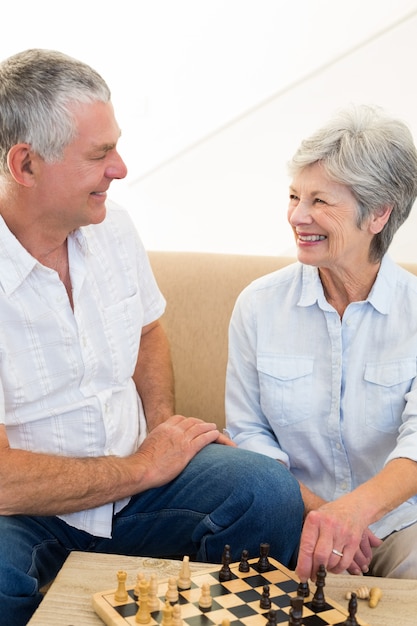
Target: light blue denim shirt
334,399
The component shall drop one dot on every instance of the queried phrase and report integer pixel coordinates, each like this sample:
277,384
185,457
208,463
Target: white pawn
176,615
205,600
140,576
167,614
172,591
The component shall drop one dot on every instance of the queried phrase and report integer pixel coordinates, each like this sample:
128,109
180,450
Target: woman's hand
336,536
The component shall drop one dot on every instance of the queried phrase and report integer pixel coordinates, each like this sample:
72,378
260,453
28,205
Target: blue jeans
224,496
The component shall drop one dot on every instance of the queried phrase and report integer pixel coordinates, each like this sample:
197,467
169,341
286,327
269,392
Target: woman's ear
379,218
19,161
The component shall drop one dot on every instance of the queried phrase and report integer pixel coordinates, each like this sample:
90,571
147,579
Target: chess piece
153,600
172,591
225,573
140,576
205,600
303,590
176,615
263,564
361,592
352,608
167,614
318,602
375,594
265,601
244,565
272,618
121,594
296,611
143,615
184,579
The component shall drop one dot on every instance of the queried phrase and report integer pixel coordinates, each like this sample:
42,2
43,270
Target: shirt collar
16,263
380,296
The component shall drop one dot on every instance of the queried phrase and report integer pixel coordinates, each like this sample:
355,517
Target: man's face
72,192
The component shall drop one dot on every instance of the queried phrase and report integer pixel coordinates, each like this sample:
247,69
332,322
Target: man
92,454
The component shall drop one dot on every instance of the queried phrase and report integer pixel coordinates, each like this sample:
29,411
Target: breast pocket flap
392,373
285,367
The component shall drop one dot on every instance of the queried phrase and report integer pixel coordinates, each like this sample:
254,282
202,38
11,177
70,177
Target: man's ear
379,218
19,160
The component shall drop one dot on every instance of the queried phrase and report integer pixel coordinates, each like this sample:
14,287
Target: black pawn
265,602
296,611
244,565
263,564
303,590
353,608
272,618
319,602
226,573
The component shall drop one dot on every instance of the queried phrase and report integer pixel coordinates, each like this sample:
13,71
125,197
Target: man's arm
153,376
41,484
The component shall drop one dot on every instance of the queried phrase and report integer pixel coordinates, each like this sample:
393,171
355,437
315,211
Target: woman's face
323,215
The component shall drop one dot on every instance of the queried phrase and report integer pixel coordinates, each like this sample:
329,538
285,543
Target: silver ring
337,552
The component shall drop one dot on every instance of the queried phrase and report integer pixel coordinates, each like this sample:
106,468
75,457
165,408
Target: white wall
229,191
213,97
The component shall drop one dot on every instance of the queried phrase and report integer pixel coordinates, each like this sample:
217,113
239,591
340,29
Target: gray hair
37,89
372,154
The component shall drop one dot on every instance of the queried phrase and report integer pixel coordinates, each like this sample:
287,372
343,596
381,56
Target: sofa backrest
201,289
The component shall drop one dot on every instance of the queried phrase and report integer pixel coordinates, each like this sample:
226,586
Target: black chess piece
263,565
244,564
352,608
303,590
265,601
296,611
272,618
226,573
318,602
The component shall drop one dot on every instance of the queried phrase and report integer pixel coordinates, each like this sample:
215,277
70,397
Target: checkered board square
237,600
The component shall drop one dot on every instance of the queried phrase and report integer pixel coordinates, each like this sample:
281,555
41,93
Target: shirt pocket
386,386
122,327
286,384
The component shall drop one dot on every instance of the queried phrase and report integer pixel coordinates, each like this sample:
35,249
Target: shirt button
343,486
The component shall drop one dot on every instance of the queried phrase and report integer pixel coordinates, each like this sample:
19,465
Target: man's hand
171,445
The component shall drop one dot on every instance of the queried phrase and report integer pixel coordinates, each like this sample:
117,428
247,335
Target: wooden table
68,602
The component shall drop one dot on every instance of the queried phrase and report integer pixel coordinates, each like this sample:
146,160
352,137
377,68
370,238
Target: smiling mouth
311,237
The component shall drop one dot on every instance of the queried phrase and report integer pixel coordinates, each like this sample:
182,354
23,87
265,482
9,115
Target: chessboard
223,595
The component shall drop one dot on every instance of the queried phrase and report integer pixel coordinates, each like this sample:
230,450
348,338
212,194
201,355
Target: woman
322,354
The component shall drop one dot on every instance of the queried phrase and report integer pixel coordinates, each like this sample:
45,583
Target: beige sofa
201,289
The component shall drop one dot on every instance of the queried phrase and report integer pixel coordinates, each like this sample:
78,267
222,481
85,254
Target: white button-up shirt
66,375
333,399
